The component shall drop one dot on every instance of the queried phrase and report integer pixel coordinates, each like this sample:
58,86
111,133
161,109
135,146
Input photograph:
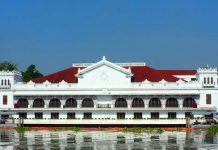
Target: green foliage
135,130
141,130
178,129
75,129
22,129
31,73
159,131
8,66
213,129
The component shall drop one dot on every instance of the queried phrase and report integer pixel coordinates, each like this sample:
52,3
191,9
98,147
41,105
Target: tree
8,66
31,73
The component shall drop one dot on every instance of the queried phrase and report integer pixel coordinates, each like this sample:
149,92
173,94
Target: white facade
107,93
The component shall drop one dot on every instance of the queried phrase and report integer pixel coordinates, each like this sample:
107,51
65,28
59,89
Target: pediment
104,74
106,63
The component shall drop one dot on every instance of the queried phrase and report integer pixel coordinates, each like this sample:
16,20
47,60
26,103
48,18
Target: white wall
10,101
104,77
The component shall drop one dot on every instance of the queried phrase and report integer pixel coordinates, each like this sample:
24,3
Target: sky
53,34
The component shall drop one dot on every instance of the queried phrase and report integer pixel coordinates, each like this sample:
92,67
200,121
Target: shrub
178,129
213,129
22,129
141,130
75,129
160,131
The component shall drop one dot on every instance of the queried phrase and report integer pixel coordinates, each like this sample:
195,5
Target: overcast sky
52,34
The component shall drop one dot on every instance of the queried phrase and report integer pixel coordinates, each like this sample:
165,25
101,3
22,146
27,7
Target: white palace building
106,93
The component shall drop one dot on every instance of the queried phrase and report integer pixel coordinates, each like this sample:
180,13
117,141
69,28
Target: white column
180,101
146,101
163,101
129,100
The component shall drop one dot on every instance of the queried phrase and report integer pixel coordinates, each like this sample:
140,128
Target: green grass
22,129
213,129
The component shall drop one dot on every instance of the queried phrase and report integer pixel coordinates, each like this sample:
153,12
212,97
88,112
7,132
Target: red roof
140,73
179,72
67,75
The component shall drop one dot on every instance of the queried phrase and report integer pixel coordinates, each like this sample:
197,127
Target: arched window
87,102
138,102
9,82
205,80
208,80
2,82
155,102
38,103
211,80
5,82
71,102
121,102
189,102
172,102
23,103
55,103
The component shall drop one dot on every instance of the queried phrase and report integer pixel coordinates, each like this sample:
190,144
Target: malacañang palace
106,93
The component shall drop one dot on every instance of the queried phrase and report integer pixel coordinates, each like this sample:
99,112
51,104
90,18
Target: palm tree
8,66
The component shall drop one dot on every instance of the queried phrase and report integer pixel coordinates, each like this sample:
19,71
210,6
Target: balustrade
103,105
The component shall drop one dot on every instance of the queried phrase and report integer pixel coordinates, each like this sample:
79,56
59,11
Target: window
138,115
5,99
121,115
155,102
193,79
137,102
39,115
121,102
172,102
205,80
189,102
189,114
22,115
209,116
154,115
211,80
23,103
208,80
208,98
54,115
87,116
55,103
87,102
171,115
71,116
71,102
4,116
38,103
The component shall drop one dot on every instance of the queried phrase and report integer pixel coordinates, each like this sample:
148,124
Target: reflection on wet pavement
104,140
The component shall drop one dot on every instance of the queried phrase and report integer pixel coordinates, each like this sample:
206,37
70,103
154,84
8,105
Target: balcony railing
103,105
109,107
